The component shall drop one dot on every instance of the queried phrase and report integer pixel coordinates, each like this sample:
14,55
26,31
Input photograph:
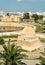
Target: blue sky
22,5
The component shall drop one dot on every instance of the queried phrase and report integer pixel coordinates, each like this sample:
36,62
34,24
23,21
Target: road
41,35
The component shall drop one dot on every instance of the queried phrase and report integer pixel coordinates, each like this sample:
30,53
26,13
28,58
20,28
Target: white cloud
19,0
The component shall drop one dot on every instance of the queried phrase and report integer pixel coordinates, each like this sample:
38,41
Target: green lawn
39,28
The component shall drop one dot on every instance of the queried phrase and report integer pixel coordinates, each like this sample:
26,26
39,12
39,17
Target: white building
1,13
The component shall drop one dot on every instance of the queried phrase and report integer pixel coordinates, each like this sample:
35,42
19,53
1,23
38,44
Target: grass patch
42,40
39,28
12,36
12,41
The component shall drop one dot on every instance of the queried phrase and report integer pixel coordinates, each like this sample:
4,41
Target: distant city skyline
22,5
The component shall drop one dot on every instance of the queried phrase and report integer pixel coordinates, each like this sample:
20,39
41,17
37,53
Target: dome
28,30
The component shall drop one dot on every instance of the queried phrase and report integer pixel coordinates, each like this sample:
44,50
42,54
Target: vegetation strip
12,41
42,40
12,36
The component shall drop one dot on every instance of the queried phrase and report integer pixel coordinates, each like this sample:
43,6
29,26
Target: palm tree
1,41
42,58
12,54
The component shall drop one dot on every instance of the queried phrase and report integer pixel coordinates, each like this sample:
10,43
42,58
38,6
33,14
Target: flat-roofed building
6,18
11,18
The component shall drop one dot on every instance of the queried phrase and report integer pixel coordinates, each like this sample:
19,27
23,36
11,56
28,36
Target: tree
12,54
1,41
35,16
26,16
41,17
7,14
42,58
